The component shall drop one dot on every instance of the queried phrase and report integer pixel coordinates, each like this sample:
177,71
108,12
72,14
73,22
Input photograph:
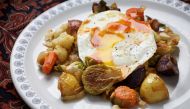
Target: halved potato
153,89
70,87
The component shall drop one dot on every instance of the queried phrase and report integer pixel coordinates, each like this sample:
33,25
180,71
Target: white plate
40,91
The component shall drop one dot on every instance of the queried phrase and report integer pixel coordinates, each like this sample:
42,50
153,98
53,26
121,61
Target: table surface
14,16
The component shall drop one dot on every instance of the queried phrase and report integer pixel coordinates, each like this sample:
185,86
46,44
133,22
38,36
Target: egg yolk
104,40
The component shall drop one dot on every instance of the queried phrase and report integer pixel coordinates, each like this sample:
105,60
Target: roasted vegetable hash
119,56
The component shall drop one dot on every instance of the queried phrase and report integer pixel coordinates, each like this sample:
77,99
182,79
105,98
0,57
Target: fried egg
116,40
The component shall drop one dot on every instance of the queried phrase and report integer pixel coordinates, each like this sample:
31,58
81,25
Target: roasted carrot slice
49,62
136,13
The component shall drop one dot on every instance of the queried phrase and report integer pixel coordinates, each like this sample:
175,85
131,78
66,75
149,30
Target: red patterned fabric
14,16
187,1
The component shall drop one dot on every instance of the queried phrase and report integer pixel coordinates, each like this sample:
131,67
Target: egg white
128,54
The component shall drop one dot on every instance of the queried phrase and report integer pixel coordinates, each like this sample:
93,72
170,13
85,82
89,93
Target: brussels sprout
167,65
101,6
114,7
153,89
99,78
136,77
69,87
76,68
90,61
59,68
125,97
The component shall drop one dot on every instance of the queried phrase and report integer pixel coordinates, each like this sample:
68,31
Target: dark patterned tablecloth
14,16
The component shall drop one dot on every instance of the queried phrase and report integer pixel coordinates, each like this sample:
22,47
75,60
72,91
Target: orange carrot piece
135,13
49,62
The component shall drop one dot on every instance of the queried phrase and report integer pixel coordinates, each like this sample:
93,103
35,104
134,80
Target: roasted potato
69,87
62,54
64,40
60,30
153,89
99,78
49,35
115,107
41,57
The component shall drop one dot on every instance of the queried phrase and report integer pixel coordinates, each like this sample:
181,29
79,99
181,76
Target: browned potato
61,53
60,30
64,40
49,35
69,87
153,89
41,57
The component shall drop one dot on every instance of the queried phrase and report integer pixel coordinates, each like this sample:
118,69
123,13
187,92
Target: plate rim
19,79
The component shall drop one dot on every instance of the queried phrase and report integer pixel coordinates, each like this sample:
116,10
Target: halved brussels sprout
101,6
90,61
59,68
69,87
99,78
76,68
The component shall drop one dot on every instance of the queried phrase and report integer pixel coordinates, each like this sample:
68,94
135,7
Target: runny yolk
103,53
104,40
